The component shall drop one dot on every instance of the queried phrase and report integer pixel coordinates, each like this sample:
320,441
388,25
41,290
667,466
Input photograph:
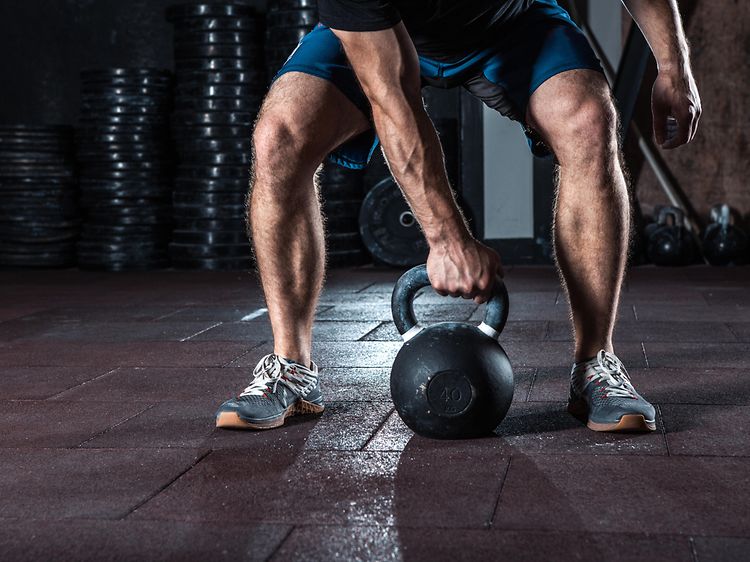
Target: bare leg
303,118
574,113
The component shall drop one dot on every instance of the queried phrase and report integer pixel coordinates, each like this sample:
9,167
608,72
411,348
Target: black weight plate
181,11
160,149
35,173
214,264
193,51
37,248
293,4
38,260
342,258
65,201
129,220
157,176
190,37
91,111
208,199
218,65
210,237
117,166
242,105
229,77
218,172
127,248
198,90
341,208
62,148
109,98
292,18
116,266
183,133
215,159
33,159
184,211
142,203
210,225
107,154
34,130
117,91
136,73
49,183
48,236
130,120
388,228
216,185
134,187
216,145
198,24
180,251
286,35
213,118
116,232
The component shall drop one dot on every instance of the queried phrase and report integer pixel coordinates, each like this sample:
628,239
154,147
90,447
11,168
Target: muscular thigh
310,113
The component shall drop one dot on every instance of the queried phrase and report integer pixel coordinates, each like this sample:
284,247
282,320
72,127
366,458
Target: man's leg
574,114
302,119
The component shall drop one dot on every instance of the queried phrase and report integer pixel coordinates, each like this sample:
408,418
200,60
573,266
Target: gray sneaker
602,396
280,388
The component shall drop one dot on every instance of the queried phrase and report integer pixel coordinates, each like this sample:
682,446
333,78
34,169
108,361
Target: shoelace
273,369
611,373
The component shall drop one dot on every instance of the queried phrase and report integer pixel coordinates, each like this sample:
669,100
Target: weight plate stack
389,229
126,167
341,191
39,216
287,22
220,83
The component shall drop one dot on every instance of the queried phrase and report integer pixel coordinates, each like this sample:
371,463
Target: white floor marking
253,315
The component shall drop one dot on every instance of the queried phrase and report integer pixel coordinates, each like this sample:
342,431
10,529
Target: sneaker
280,388
602,396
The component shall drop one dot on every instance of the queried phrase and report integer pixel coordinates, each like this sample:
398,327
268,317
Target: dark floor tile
626,494
721,549
737,296
191,424
513,331
652,331
349,488
52,424
135,354
99,313
532,427
671,312
85,483
705,355
741,330
260,330
12,312
337,354
221,313
162,384
561,354
410,544
37,383
660,385
707,429
356,384
369,311
99,330
94,541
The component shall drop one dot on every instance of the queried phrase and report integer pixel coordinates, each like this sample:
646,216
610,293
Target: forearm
415,158
661,24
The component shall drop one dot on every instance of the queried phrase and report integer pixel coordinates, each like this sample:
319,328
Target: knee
282,148
590,131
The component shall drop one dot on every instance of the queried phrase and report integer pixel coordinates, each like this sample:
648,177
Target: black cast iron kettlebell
450,380
724,243
669,242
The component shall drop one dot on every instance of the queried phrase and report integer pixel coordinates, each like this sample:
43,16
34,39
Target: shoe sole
628,423
232,420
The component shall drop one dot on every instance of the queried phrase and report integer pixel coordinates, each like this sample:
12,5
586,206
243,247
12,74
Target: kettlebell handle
402,304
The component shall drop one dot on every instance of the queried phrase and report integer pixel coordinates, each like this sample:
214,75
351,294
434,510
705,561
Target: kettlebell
669,242
723,242
450,380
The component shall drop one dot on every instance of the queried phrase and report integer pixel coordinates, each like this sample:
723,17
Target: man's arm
675,93
387,67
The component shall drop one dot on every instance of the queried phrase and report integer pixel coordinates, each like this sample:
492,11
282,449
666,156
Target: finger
694,128
660,115
683,132
480,299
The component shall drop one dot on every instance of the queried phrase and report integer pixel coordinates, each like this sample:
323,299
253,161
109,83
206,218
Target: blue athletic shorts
540,43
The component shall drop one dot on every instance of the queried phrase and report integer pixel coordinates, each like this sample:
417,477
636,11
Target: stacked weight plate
342,190
220,82
124,152
287,22
38,200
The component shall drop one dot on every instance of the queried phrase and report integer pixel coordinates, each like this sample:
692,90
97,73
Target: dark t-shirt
441,29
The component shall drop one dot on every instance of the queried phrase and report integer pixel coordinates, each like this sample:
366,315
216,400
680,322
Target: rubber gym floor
108,450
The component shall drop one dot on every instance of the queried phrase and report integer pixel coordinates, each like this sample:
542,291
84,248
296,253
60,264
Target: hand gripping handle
402,304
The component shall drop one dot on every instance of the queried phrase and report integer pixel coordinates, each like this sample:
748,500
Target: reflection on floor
108,384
